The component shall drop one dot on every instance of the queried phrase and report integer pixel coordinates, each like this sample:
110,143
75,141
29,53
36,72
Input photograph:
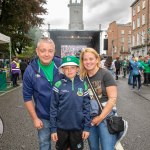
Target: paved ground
20,134
134,106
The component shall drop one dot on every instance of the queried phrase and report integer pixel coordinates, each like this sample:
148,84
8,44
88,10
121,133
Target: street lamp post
112,42
49,30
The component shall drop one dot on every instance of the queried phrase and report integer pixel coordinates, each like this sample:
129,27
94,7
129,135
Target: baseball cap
70,61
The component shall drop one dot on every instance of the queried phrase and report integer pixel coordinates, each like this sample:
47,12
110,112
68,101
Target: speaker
106,44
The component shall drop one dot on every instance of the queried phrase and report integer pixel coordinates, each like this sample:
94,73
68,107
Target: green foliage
28,52
17,17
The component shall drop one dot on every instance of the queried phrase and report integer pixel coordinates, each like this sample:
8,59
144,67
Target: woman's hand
96,121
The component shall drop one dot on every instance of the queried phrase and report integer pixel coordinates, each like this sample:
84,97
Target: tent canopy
4,38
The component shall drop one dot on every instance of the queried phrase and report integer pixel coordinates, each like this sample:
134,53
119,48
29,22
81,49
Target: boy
70,108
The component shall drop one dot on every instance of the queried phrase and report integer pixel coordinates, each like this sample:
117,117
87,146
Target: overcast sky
95,12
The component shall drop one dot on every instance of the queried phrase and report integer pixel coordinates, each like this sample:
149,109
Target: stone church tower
76,15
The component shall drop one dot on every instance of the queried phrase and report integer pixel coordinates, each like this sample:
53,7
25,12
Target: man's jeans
100,138
44,136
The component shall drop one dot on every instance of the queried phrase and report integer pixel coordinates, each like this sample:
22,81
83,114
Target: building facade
76,15
140,27
119,40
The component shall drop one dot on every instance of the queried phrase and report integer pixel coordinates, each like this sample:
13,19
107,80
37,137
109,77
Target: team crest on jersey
37,75
80,92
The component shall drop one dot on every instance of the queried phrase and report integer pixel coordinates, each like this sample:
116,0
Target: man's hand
38,124
54,137
85,135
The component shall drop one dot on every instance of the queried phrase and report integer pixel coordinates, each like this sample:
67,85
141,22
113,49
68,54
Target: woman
109,64
137,72
106,89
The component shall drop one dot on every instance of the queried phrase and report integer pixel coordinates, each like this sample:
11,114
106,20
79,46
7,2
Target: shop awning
4,38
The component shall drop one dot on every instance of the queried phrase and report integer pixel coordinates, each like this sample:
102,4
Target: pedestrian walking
130,77
146,71
106,89
124,66
23,66
137,70
109,64
15,71
38,81
117,66
70,108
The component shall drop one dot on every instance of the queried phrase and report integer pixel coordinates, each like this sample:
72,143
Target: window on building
143,4
129,48
133,25
122,48
143,19
129,32
139,38
138,22
133,40
76,11
122,31
134,11
122,40
115,49
129,39
138,8
143,37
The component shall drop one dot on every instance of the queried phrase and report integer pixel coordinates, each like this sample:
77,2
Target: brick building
119,40
140,27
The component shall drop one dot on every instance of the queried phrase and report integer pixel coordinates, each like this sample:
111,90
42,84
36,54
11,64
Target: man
15,70
117,66
130,78
38,80
124,66
23,66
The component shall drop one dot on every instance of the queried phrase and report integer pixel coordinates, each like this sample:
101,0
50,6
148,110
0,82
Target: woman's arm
112,98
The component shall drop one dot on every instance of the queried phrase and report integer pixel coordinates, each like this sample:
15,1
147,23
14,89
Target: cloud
95,12
105,11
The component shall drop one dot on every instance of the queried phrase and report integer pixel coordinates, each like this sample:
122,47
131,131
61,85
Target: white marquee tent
5,39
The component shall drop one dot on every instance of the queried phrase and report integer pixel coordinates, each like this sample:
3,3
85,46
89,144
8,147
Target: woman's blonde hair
83,71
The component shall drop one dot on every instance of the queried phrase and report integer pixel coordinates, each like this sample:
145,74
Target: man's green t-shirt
48,70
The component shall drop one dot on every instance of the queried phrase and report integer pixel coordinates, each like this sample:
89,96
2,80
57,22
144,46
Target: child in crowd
70,108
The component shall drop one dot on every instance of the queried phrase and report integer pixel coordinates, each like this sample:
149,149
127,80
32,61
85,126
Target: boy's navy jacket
70,105
35,84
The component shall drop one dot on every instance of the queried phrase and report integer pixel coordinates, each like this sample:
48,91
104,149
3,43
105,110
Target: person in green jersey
38,81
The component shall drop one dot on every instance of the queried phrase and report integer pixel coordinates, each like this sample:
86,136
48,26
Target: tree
17,17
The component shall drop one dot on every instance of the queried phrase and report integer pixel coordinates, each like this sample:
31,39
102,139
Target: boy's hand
54,137
85,135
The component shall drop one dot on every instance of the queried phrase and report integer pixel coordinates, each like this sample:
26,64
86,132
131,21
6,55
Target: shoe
132,89
139,90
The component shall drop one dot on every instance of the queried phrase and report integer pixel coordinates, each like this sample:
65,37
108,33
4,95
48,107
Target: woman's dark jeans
136,78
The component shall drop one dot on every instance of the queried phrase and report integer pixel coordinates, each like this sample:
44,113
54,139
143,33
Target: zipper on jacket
73,85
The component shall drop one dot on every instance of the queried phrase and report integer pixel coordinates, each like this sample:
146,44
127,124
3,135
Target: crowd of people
17,69
61,111
137,69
